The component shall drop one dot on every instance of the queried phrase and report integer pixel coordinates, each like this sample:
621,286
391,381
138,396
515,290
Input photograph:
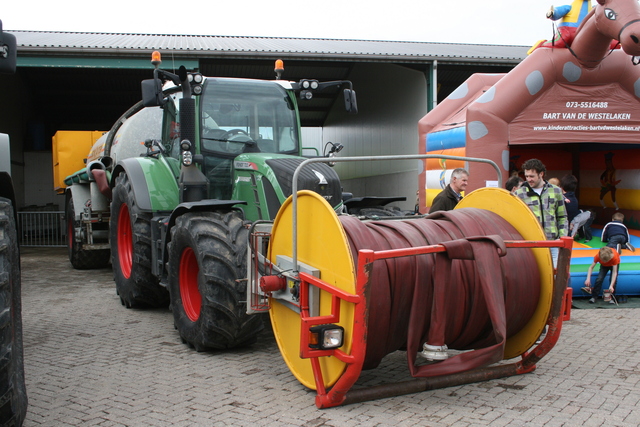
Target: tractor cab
243,116
238,139
232,117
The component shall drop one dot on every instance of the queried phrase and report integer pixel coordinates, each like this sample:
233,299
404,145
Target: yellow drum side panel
322,243
518,214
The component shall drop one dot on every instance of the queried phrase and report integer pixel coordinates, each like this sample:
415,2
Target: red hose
467,298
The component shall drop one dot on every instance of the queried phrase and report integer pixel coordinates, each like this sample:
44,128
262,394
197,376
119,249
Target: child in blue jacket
616,235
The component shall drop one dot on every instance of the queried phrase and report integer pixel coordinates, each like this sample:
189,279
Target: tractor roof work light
156,58
279,68
326,337
195,80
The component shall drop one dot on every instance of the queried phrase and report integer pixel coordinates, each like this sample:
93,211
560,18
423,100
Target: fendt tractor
171,189
13,393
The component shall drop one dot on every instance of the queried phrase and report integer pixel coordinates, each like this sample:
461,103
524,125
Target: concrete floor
91,362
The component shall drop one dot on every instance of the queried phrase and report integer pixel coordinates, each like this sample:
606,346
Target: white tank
130,137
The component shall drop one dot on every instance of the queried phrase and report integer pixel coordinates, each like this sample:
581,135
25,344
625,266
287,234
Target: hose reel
470,279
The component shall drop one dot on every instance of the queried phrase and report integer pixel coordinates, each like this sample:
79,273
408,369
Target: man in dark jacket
448,198
569,184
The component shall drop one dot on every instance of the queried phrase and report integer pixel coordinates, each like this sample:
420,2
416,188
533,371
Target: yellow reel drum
518,214
322,243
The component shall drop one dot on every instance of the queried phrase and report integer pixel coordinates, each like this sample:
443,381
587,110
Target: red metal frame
341,392
259,302
566,304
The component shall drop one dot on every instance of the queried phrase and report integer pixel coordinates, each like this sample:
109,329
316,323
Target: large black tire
13,393
80,258
207,259
130,239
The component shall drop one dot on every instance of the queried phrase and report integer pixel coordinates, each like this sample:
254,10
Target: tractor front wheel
130,238
207,260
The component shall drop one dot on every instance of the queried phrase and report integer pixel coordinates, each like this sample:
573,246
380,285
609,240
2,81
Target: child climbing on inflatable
582,221
616,235
609,261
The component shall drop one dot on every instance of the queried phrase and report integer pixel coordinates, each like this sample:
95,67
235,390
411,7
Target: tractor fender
81,194
7,191
208,205
6,187
6,184
200,206
155,188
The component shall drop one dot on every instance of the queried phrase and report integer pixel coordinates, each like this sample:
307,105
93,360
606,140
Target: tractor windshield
240,116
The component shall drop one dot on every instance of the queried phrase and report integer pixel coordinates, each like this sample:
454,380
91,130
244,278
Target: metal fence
45,229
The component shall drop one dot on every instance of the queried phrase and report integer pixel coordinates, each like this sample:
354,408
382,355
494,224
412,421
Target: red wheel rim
189,293
125,241
70,230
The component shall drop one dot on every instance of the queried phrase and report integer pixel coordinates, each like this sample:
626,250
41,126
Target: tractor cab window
171,129
243,116
240,116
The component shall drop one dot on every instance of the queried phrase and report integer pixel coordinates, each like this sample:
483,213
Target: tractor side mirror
350,102
8,50
152,93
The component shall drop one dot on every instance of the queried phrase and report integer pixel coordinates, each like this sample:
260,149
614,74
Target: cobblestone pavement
91,362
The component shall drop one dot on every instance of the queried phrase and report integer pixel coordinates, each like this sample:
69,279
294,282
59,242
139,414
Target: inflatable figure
570,16
608,180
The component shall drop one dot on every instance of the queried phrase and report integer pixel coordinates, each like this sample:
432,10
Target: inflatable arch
576,109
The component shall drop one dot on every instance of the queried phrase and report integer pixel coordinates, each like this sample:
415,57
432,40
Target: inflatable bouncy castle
576,108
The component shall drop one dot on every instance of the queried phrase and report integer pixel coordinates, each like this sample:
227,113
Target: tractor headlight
309,84
326,337
187,158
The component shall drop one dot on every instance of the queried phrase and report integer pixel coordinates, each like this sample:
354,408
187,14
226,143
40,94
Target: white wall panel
38,180
391,101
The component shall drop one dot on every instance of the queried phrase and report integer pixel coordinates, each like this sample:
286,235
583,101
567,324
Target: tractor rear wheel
130,238
82,259
13,393
207,259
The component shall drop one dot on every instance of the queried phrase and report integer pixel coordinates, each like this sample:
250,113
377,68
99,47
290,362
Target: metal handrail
294,189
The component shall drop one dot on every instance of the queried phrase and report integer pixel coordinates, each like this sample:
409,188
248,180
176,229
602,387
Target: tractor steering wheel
236,132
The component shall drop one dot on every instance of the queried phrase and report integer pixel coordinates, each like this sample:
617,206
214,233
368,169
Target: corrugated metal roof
42,42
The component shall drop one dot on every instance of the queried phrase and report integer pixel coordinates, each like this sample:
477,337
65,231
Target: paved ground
91,362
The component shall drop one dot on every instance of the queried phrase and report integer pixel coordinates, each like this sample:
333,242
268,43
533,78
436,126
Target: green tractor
218,154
